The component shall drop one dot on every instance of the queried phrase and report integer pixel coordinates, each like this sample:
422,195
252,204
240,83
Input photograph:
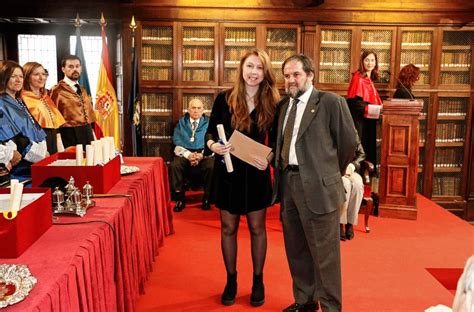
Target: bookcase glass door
421,160
157,124
335,56
237,42
198,53
281,43
157,53
206,99
379,41
456,58
416,49
450,143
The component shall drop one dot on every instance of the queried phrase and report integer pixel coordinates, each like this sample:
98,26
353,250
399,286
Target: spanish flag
107,110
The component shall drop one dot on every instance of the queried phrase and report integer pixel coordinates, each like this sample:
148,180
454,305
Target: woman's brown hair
28,70
408,75
265,100
6,71
374,75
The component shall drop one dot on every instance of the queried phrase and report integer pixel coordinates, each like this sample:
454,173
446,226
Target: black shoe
342,235
230,290
205,205
307,307
179,206
349,231
258,291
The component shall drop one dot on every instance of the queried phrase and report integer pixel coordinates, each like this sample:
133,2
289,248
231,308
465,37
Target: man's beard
297,94
74,76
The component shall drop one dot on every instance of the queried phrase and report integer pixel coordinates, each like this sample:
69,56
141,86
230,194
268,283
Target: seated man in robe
188,137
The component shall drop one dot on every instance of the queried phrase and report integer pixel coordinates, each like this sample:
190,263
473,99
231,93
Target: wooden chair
367,169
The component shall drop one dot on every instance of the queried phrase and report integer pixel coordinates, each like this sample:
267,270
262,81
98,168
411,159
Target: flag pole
134,100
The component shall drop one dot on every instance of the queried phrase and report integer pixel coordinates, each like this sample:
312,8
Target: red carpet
396,267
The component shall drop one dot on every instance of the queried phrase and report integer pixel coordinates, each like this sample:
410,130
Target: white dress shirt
303,101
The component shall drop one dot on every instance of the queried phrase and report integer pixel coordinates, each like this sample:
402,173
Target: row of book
452,107
418,58
342,37
156,73
446,185
333,76
462,58
198,33
153,102
192,54
240,35
157,33
198,74
417,38
277,56
450,132
157,53
153,128
382,37
281,35
448,157
234,54
455,78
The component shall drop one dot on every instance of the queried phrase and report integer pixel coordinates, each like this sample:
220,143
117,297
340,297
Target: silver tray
16,283
124,170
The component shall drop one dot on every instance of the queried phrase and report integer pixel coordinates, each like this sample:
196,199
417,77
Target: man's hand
195,158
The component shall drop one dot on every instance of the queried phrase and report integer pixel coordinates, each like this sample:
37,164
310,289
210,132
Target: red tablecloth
92,267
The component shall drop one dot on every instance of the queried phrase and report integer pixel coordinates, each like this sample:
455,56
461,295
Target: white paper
247,149
227,159
373,111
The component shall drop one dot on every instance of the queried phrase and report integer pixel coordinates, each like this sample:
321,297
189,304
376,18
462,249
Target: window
41,49
92,48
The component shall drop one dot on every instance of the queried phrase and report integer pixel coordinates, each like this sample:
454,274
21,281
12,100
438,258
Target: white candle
13,182
98,152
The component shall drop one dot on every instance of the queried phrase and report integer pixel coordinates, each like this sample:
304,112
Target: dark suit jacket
325,145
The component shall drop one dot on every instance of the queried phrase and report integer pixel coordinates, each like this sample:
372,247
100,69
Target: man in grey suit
315,140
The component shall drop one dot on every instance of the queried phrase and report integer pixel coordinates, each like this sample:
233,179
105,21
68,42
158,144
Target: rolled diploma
111,147
228,161
59,143
79,154
105,149
89,155
15,198
98,152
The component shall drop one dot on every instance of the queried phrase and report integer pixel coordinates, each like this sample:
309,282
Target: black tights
258,236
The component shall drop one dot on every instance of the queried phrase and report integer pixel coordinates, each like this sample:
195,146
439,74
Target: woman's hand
260,164
220,148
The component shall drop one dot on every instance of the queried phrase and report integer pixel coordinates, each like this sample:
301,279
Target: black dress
246,189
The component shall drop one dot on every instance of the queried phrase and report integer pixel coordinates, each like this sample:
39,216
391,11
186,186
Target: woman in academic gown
365,103
40,105
17,127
